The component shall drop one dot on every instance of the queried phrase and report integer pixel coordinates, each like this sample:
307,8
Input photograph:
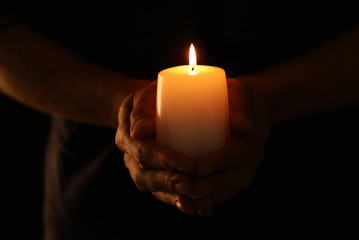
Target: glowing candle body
192,109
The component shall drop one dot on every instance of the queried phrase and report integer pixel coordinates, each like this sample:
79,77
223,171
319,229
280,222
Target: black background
23,136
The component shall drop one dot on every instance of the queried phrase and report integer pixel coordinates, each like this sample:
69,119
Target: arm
42,75
323,79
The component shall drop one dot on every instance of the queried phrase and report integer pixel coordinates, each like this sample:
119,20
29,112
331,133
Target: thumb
241,123
143,113
142,128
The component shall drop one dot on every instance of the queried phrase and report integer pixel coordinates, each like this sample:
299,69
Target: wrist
115,87
251,83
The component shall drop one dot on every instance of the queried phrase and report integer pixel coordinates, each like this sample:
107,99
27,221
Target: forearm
323,79
40,74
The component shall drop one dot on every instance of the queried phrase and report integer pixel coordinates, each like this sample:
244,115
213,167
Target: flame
192,60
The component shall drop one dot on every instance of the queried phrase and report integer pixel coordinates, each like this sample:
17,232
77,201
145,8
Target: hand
222,174
165,173
219,176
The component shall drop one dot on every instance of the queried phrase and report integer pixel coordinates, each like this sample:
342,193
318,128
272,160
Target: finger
184,204
223,186
240,100
148,153
123,134
237,153
240,122
143,114
240,96
149,180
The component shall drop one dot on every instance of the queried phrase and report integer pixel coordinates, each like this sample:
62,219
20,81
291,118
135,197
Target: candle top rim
185,69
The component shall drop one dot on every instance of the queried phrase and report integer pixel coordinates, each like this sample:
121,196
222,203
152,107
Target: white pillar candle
192,108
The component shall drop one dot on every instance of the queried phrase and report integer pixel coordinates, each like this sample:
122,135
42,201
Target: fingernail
178,204
204,193
183,208
182,189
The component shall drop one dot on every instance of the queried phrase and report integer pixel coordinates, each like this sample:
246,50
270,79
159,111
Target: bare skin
179,180
47,77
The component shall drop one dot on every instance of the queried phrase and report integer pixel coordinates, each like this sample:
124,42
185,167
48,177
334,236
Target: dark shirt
88,191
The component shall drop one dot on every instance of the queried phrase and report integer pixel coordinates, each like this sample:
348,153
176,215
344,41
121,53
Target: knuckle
120,140
137,112
144,157
139,156
139,182
168,181
166,160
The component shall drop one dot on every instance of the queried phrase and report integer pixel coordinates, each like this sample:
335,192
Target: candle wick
192,68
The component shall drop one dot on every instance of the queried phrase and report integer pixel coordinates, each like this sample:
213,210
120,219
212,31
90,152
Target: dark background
23,136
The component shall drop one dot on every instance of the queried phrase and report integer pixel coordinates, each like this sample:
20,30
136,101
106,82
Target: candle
192,108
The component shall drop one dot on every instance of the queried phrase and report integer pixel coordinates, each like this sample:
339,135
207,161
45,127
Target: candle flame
192,60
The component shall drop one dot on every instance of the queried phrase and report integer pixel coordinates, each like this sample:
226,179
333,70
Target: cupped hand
222,174
177,179
164,173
